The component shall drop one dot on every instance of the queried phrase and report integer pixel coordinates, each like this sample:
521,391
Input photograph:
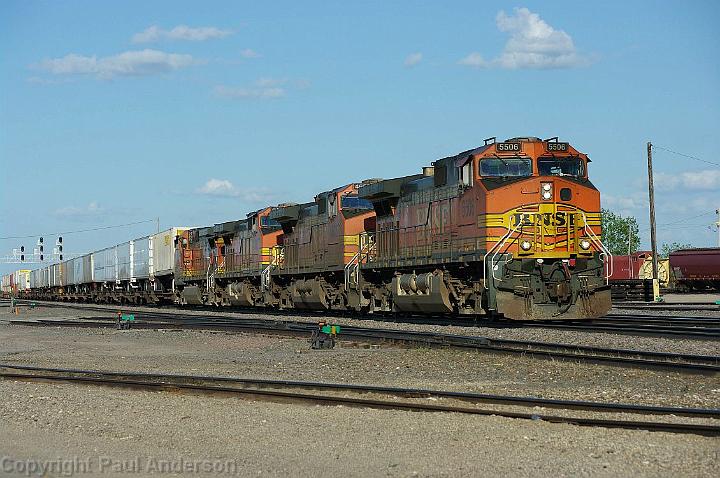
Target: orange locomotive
223,264
510,227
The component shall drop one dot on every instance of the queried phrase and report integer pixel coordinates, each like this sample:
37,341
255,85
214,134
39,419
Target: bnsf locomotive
508,228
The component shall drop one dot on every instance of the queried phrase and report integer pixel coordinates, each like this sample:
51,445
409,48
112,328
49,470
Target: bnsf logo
557,219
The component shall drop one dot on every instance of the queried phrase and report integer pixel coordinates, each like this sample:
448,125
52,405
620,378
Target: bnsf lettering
557,146
558,219
512,147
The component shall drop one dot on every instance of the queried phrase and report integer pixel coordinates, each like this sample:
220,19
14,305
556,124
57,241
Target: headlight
525,245
584,244
546,195
547,186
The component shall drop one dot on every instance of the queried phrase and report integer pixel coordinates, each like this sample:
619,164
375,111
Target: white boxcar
124,260
163,251
140,264
77,264
87,269
55,276
68,272
5,285
105,265
45,276
34,279
22,279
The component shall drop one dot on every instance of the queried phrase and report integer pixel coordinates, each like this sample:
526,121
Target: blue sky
119,113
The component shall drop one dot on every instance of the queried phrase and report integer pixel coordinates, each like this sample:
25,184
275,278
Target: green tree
666,248
616,230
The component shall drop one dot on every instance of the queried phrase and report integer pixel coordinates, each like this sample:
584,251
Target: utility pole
158,225
630,265
653,239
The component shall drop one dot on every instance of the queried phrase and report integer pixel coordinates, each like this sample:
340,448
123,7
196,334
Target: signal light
60,248
60,256
41,248
41,240
22,248
60,240
22,257
41,257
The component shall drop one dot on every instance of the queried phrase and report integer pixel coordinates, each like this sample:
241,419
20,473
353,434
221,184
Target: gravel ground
42,421
245,355
51,422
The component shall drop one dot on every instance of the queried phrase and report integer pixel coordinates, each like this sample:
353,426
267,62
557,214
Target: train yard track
703,328
381,397
686,363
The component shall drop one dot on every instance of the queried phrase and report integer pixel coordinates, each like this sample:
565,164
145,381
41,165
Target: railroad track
678,307
355,395
686,327
702,328
685,363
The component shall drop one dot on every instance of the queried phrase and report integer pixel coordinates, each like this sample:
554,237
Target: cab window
561,167
465,175
505,167
354,202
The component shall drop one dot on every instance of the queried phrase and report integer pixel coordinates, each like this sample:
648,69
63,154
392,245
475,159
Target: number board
563,147
511,147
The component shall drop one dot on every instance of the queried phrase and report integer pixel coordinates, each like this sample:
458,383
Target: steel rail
625,357
613,324
259,389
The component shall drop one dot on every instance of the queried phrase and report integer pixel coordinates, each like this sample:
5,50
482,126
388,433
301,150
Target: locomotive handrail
609,266
353,266
502,241
276,256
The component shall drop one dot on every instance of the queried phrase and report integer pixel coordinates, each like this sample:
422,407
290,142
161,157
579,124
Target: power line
686,219
686,155
65,233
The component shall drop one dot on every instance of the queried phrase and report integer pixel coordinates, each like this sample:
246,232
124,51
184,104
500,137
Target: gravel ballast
41,421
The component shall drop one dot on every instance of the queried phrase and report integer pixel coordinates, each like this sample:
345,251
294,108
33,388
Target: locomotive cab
544,255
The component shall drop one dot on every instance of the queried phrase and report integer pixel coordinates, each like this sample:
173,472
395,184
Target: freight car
631,277
696,269
137,271
509,228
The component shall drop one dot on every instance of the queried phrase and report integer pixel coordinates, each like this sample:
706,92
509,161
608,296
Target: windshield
561,167
499,167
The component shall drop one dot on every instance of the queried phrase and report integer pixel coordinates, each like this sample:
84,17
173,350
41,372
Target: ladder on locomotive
277,257
365,253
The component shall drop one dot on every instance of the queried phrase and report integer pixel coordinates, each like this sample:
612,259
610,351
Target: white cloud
632,202
180,32
475,60
249,53
413,59
218,187
270,82
225,188
264,88
532,44
705,180
92,209
129,63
